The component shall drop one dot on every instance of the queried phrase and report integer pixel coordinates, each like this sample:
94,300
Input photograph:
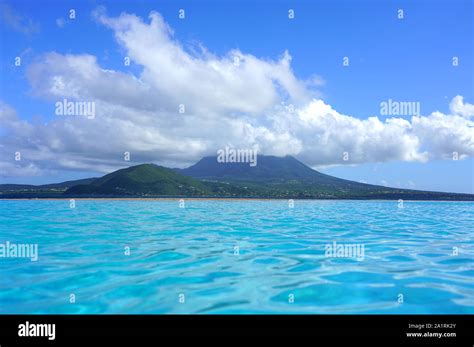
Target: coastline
225,199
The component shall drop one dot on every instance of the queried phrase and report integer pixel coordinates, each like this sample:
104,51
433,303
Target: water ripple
238,257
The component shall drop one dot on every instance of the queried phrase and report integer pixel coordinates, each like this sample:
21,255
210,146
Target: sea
172,256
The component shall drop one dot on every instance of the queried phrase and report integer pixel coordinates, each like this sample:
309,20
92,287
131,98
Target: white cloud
458,107
236,99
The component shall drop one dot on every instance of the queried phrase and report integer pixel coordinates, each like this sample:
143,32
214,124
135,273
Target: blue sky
407,59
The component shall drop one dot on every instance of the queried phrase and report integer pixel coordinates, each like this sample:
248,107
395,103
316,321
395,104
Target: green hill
143,180
272,177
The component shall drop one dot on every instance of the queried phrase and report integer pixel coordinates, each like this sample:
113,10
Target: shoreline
225,199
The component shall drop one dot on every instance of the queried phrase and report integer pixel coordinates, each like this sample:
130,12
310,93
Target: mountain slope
44,187
69,184
272,177
268,169
145,179
286,177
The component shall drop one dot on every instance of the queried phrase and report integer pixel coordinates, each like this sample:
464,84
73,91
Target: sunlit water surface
237,257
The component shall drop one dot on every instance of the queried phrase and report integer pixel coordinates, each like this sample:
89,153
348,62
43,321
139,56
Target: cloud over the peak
237,99
235,82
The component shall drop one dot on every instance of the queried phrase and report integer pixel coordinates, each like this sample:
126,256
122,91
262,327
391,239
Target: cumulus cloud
458,107
236,99
235,82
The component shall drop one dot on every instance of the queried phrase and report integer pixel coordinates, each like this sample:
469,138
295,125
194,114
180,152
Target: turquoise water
238,257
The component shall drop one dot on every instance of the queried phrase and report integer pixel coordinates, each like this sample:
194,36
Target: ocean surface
238,256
